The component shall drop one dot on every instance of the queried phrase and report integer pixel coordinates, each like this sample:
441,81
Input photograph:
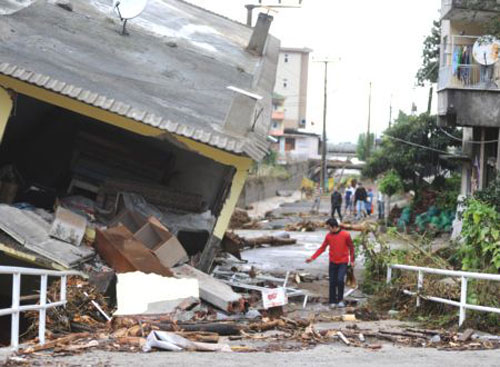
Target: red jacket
341,247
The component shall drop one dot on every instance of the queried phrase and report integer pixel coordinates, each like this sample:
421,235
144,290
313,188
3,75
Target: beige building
469,87
291,83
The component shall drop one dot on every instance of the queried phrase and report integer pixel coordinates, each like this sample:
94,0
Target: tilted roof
171,72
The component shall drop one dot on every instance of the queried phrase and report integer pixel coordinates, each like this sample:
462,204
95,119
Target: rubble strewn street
300,323
249,182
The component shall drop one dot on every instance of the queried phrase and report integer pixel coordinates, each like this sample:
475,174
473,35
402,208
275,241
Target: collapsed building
162,123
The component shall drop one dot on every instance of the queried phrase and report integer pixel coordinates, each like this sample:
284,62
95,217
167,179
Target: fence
42,307
463,275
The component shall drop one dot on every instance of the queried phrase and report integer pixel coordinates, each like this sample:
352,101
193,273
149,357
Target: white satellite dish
486,50
128,9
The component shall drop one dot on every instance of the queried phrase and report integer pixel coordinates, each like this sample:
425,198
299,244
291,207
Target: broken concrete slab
212,290
68,226
31,231
125,254
140,294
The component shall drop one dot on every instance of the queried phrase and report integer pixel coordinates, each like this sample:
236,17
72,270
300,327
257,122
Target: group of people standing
358,200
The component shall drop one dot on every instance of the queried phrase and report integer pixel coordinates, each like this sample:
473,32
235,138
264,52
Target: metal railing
42,307
472,76
464,277
457,74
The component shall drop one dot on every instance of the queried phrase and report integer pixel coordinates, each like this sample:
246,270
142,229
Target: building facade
469,87
291,83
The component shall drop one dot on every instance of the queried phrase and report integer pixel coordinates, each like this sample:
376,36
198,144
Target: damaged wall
50,147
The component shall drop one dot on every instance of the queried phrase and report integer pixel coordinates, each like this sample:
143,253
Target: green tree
413,147
429,71
390,184
361,147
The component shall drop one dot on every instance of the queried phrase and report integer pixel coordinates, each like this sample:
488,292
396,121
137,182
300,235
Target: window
285,83
286,57
275,106
275,125
289,144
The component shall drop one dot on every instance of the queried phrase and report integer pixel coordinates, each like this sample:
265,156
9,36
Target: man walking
360,197
341,253
348,200
336,200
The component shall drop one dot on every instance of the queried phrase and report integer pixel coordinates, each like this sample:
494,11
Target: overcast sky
378,41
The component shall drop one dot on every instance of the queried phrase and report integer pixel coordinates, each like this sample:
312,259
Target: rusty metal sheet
125,254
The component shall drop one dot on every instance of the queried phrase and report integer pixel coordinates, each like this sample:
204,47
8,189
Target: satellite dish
128,9
486,50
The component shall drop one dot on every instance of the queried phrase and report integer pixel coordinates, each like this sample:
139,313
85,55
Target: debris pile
305,226
234,244
239,219
86,309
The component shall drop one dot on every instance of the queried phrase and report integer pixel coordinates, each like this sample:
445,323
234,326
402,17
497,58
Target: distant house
296,146
182,105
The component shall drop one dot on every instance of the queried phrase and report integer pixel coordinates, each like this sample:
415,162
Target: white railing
42,307
464,277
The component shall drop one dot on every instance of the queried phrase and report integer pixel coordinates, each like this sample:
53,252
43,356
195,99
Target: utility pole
369,120
324,172
390,113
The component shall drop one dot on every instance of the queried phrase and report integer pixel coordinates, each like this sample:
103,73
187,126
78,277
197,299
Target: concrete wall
469,108
260,188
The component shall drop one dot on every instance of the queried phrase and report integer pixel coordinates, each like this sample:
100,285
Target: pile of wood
233,244
241,220
80,312
305,226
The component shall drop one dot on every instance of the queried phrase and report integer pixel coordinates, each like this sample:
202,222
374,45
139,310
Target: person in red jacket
341,255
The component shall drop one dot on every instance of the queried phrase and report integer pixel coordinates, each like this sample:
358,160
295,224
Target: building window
286,57
275,125
285,83
275,107
289,144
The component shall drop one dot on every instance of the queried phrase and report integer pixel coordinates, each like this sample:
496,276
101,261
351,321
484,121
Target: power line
420,146
468,141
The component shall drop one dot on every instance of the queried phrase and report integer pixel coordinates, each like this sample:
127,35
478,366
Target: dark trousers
337,274
338,210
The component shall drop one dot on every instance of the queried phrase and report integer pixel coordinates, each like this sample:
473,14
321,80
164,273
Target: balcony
468,93
464,72
469,10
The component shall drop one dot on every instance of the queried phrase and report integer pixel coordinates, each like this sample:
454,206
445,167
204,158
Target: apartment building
469,86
